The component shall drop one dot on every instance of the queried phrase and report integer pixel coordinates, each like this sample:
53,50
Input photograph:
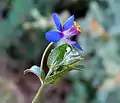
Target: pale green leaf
37,71
57,55
53,78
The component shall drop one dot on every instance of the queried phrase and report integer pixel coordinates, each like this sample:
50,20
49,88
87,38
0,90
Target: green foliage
57,55
79,94
57,64
57,75
79,66
17,15
37,71
20,10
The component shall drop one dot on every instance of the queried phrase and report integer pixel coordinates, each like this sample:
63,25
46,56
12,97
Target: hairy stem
38,94
43,56
41,65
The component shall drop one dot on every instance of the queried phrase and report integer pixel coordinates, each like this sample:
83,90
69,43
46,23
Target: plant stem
41,65
38,93
43,56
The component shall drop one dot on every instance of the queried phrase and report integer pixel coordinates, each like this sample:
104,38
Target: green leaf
37,71
57,55
79,67
53,78
73,61
55,81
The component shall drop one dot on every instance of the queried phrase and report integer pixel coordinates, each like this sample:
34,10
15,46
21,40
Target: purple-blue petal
53,36
78,47
74,44
57,21
69,22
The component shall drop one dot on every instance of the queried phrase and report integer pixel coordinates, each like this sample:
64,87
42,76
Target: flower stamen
77,27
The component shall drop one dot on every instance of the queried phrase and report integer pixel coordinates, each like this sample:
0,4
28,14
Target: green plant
62,59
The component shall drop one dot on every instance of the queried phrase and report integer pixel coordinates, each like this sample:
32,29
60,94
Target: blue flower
65,31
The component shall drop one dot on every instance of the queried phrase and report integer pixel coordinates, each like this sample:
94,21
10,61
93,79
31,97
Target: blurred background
23,24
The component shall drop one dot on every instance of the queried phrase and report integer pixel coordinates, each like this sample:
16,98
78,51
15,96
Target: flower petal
57,21
69,22
78,47
73,43
53,36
